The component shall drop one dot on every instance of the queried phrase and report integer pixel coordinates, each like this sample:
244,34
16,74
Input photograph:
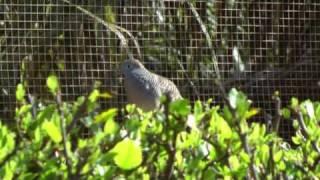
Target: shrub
47,140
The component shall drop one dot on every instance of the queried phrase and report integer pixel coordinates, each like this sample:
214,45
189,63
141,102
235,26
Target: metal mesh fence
261,46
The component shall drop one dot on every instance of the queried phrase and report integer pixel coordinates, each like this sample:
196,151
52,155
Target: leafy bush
61,140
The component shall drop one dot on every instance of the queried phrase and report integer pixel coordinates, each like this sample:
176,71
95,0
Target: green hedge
78,140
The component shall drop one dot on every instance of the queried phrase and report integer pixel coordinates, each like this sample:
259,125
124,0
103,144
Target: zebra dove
145,88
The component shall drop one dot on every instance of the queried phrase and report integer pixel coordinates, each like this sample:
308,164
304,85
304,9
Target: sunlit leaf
234,162
233,96
109,15
128,154
20,92
106,115
105,95
94,95
238,101
53,131
277,156
317,113
309,108
181,107
285,112
264,153
294,102
198,111
53,84
111,127
240,67
251,113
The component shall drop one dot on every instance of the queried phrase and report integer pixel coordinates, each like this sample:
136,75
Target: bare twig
82,161
78,114
271,161
170,146
277,118
64,134
171,150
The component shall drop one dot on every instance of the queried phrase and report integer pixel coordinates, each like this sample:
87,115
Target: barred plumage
144,88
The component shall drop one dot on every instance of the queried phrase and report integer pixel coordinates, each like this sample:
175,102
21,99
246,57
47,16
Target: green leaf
37,135
309,108
296,140
94,95
281,165
53,131
105,95
238,101
278,156
227,114
198,111
7,142
294,102
128,154
180,107
20,92
264,151
111,127
53,84
234,162
255,134
252,113
109,15
220,126
233,97
285,112
106,115
245,158
317,111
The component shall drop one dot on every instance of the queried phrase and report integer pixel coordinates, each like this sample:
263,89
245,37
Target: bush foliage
79,140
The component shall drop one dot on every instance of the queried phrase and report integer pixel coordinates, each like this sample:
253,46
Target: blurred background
259,47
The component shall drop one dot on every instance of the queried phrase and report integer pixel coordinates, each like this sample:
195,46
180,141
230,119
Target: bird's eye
128,66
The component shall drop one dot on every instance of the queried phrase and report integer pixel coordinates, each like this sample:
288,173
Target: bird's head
130,65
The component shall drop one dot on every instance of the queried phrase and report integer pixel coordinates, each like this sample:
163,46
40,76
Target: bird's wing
168,88
146,82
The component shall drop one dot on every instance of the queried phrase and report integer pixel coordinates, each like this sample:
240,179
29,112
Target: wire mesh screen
260,47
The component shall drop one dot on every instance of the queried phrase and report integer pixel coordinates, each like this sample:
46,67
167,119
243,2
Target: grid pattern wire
261,46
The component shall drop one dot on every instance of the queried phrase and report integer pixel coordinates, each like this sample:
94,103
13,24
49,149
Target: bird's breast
141,91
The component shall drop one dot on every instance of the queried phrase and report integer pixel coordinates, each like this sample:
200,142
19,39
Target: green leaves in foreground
128,154
197,141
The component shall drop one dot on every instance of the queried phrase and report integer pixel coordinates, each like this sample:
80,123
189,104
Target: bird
144,88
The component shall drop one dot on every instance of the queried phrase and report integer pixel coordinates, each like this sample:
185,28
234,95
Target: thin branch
277,119
82,161
270,165
64,134
171,146
171,150
77,115
315,163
